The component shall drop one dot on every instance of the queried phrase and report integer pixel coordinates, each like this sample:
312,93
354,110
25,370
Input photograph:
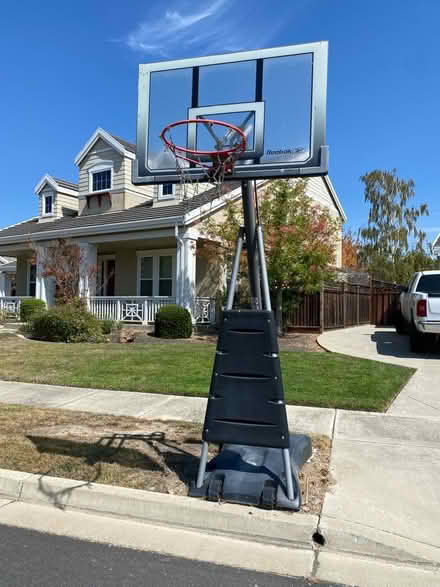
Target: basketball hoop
218,162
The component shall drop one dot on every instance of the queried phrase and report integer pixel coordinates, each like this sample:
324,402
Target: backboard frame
316,164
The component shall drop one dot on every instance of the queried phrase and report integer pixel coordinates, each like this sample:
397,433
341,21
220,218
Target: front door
106,276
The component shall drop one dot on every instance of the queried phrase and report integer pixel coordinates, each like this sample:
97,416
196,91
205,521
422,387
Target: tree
62,260
392,232
350,250
300,239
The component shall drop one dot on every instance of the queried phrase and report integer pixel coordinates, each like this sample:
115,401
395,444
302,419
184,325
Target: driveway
421,395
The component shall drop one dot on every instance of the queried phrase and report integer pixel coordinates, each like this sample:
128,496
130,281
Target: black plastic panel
246,400
254,475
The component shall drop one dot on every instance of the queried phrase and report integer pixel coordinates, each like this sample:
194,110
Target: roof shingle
138,213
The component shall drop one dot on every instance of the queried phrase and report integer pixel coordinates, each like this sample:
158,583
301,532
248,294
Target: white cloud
200,29
163,33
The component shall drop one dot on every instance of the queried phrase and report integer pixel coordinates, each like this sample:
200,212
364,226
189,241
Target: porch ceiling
139,245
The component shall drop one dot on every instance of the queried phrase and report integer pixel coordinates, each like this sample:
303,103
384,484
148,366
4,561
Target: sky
68,67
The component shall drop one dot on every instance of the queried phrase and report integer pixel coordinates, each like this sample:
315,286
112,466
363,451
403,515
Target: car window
429,284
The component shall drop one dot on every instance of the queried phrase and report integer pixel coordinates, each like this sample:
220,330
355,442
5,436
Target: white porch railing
144,309
127,309
204,310
10,305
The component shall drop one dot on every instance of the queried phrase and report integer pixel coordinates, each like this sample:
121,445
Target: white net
221,162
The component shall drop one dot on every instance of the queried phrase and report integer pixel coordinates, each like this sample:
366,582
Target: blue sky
67,68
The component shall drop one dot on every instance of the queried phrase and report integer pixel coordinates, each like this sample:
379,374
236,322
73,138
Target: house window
32,283
48,204
102,180
156,273
165,275
166,191
146,277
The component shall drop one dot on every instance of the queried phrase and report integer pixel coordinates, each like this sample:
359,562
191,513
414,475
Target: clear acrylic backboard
276,96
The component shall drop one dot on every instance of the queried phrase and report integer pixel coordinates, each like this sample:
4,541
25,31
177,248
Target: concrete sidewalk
421,395
386,497
151,406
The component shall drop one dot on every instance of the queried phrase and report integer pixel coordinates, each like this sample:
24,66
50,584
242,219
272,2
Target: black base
254,475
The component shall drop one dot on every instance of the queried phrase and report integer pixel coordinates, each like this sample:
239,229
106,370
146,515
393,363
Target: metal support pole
288,471
202,465
264,279
247,194
235,269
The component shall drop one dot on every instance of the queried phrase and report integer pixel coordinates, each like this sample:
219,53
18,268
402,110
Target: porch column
45,286
87,269
3,282
186,267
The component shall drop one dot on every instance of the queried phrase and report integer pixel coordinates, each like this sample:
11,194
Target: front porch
128,279
129,309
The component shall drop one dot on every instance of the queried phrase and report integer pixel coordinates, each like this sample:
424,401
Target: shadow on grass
112,450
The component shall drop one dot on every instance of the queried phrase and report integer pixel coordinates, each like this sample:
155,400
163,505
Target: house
142,239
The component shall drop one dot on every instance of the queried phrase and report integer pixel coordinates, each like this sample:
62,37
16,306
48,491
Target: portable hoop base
254,475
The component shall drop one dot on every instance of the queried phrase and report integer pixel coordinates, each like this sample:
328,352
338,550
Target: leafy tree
392,244
350,250
62,260
299,235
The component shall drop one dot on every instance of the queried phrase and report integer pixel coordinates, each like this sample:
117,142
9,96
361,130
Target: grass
311,379
116,450
119,450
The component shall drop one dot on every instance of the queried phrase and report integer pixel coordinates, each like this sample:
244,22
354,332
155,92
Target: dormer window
166,191
102,180
48,204
101,177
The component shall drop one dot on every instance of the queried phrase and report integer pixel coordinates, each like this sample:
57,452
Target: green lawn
311,379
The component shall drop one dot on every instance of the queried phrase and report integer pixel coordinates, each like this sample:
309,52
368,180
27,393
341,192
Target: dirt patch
291,342
142,454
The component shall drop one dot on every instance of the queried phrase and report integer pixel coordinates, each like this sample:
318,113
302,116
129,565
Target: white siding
95,158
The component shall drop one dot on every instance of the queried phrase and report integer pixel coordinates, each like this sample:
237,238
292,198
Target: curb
271,527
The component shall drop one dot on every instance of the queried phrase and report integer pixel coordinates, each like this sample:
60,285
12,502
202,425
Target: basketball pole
250,227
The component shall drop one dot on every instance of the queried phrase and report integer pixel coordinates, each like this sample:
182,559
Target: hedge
30,307
173,322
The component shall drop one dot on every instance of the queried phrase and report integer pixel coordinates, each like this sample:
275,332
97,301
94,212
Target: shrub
173,322
66,323
30,307
107,326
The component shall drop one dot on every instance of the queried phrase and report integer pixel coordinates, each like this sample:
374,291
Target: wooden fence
340,305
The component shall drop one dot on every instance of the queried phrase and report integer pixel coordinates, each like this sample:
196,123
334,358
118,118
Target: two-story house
143,240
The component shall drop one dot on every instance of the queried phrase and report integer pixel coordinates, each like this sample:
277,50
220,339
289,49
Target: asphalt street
29,558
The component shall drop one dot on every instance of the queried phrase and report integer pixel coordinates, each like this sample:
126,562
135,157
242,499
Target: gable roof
436,245
129,146
57,184
120,145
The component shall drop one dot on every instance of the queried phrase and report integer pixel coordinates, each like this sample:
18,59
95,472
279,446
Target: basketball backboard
276,96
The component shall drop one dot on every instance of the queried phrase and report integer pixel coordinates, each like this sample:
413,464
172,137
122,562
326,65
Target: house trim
100,133
335,198
51,181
